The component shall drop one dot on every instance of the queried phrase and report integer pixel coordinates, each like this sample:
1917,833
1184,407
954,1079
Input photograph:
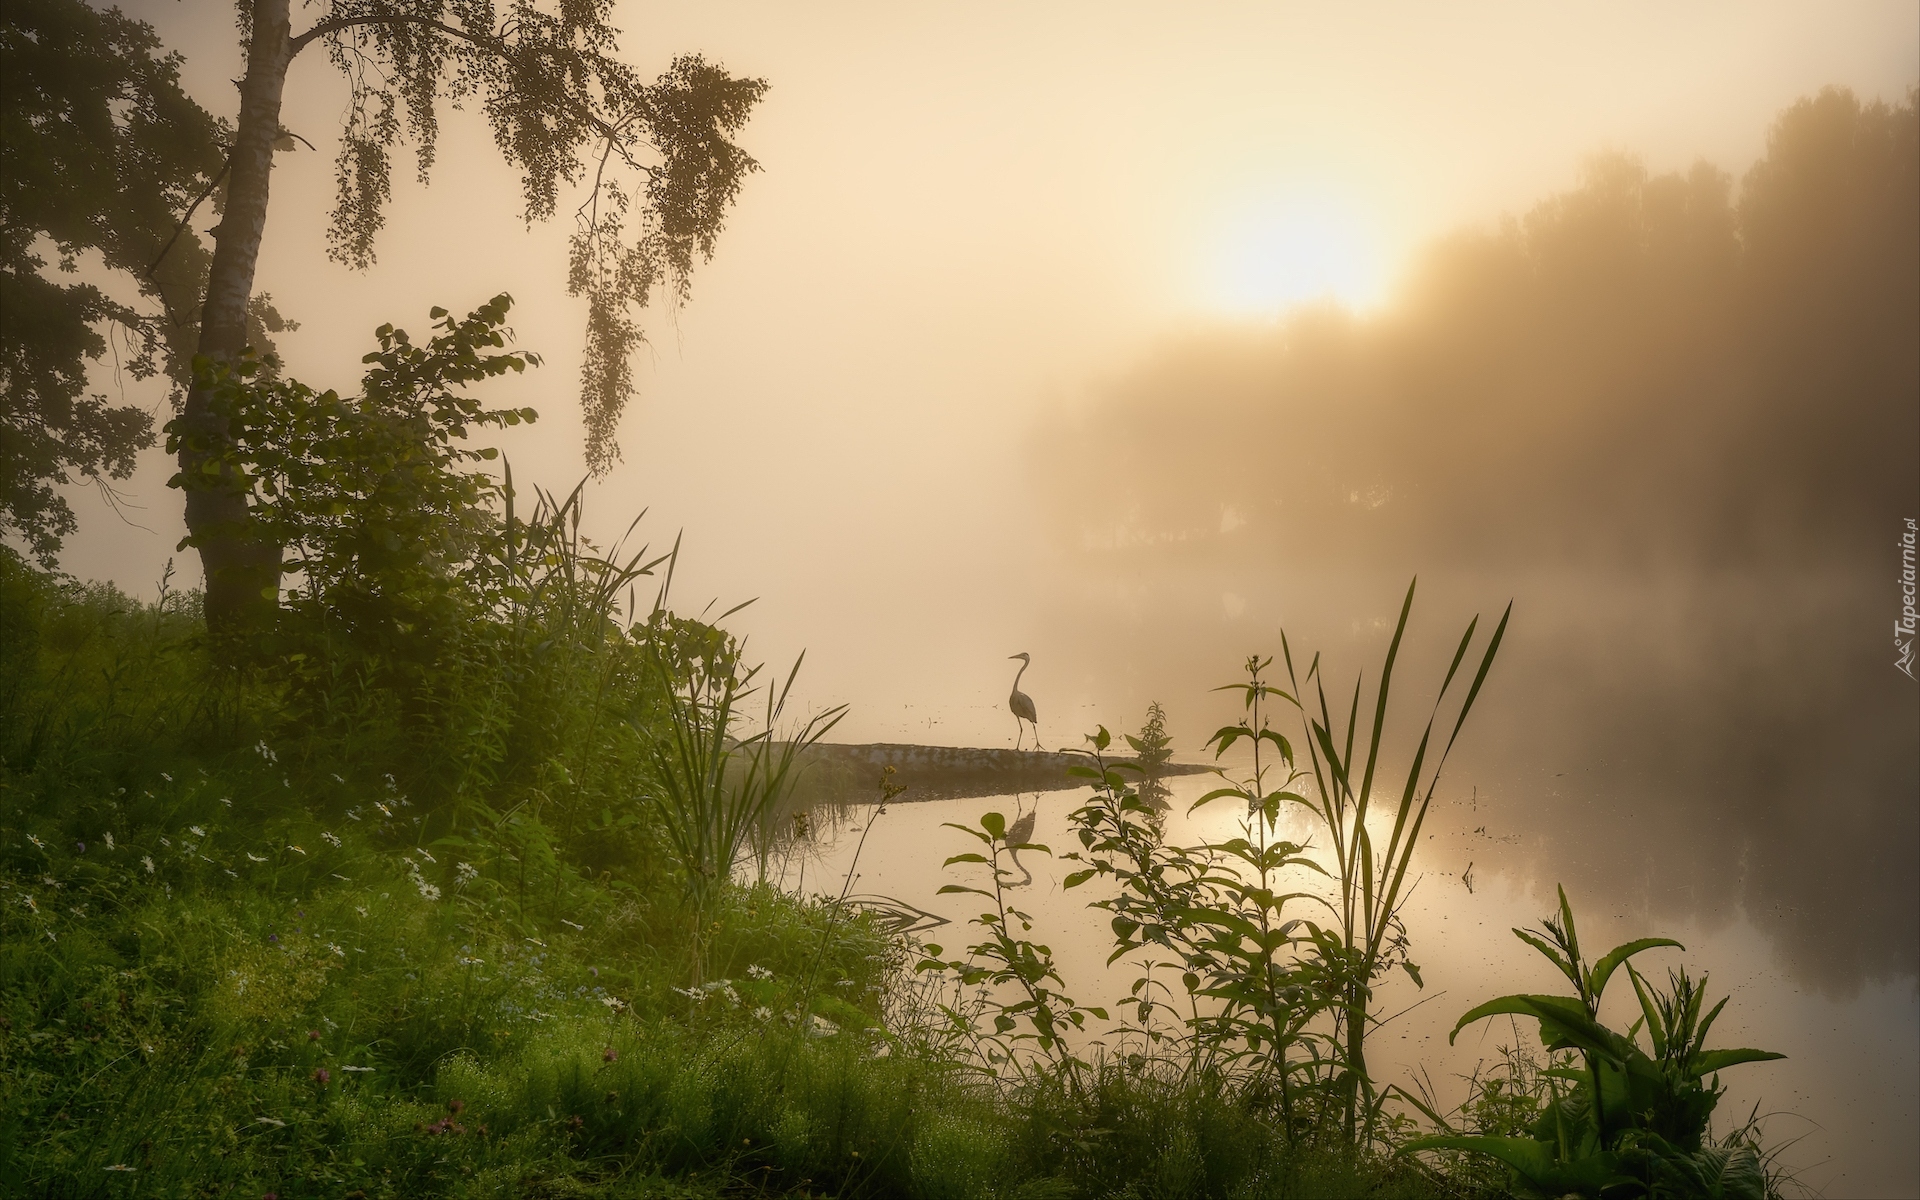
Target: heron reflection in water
1021,832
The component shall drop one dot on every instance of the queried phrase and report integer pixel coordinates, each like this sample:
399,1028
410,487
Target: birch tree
653,163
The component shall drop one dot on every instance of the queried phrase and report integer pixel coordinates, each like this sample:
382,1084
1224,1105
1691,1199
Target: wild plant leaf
1227,736
1656,1026
1551,1007
1553,954
1218,794
1700,1034
1285,747
1718,1173
995,824
1076,878
1573,944
954,888
965,858
1535,1164
1707,1062
1604,969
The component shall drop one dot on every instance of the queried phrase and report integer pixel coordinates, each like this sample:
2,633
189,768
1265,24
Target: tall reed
1367,938
712,791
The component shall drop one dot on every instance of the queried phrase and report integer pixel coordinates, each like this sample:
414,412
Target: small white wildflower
147,1047
466,871
353,814
118,1167
231,871
266,752
427,890
362,911
426,855
196,831
166,777
226,802
273,1121
336,949
763,1013
108,839
296,849
469,961
613,1002
252,857
165,842
36,841
536,941
821,1027
330,840
32,906
78,910
336,778
575,925
383,808
357,1069
339,876
146,860
756,971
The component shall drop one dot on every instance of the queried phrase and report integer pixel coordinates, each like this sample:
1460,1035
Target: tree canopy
655,160
102,152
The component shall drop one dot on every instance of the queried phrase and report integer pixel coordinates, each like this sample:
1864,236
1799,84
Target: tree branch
493,44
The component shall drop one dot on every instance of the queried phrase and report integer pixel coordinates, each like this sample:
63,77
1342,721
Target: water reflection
1849,1089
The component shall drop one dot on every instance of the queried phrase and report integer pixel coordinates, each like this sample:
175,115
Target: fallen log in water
850,774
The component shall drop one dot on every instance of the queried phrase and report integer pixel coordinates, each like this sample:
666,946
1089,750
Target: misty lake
1847,1095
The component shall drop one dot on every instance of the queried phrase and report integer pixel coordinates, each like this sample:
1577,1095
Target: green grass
301,932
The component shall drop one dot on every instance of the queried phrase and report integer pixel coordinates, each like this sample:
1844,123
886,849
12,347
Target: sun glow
1295,251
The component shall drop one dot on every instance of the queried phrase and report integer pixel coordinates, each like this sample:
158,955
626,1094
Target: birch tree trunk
242,569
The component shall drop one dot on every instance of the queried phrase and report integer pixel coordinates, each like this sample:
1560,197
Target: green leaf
1553,954
1707,1062
1535,1163
953,888
1604,969
1552,1007
995,824
969,858
1228,735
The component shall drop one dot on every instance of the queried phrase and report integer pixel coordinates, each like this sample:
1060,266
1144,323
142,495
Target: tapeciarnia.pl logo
1904,627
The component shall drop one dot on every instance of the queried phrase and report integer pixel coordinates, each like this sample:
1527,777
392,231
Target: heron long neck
1018,674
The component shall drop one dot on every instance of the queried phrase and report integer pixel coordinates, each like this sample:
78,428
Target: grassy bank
404,922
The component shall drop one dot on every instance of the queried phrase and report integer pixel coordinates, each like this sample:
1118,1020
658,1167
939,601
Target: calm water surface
1849,1090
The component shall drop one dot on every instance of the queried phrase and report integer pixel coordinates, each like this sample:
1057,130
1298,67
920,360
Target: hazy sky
968,217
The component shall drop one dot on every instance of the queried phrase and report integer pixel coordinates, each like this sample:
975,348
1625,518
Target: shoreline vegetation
475,912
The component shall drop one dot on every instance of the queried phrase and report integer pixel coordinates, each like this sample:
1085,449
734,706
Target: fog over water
1128,340
1676,423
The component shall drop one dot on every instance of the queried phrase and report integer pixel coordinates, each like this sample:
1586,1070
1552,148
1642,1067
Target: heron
1022,704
